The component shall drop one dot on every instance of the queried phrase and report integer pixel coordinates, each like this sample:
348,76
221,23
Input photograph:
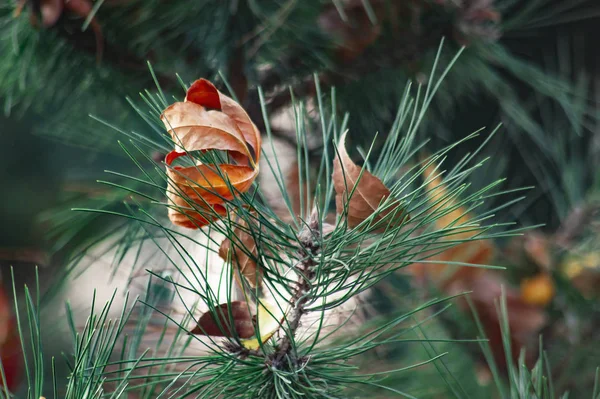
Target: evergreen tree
309,223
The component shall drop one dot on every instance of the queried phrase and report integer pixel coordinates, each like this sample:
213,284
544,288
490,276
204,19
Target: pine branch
310,240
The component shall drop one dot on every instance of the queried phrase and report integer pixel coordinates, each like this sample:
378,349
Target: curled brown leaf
198,193
358,192
236,311
204,93
193,128
208,120
246,318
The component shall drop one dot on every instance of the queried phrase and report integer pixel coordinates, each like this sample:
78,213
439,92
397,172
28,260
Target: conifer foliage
294,201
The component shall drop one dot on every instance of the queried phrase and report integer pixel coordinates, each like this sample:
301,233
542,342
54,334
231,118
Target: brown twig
311,244
309,238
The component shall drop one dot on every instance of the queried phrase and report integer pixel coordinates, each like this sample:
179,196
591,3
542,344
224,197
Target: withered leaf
214,183
193,128
525,317
236,311
268,319
182,214
225,126
203,92
367,193
244,265
476,252
205,188
525,320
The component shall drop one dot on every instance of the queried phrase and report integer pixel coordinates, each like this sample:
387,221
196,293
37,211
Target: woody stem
309,238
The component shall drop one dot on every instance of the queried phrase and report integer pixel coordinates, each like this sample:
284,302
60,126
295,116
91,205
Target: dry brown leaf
268,317
478,252
367,193
203,181
182,214
239,311
245,265
204,93
525,318
193,127
205,188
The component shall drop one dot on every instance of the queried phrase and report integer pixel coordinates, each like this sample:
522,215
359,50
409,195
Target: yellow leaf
538,290
478,252
269,319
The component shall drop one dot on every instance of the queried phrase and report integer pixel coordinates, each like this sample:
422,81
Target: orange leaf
193,128
203,186
478,252
245,265
538,290
182,214
199,192
239,311
204,93
212,183
367,193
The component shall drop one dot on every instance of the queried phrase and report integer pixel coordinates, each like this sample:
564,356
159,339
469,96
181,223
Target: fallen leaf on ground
526,318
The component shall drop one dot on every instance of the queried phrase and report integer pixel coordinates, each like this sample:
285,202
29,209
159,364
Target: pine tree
309,223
